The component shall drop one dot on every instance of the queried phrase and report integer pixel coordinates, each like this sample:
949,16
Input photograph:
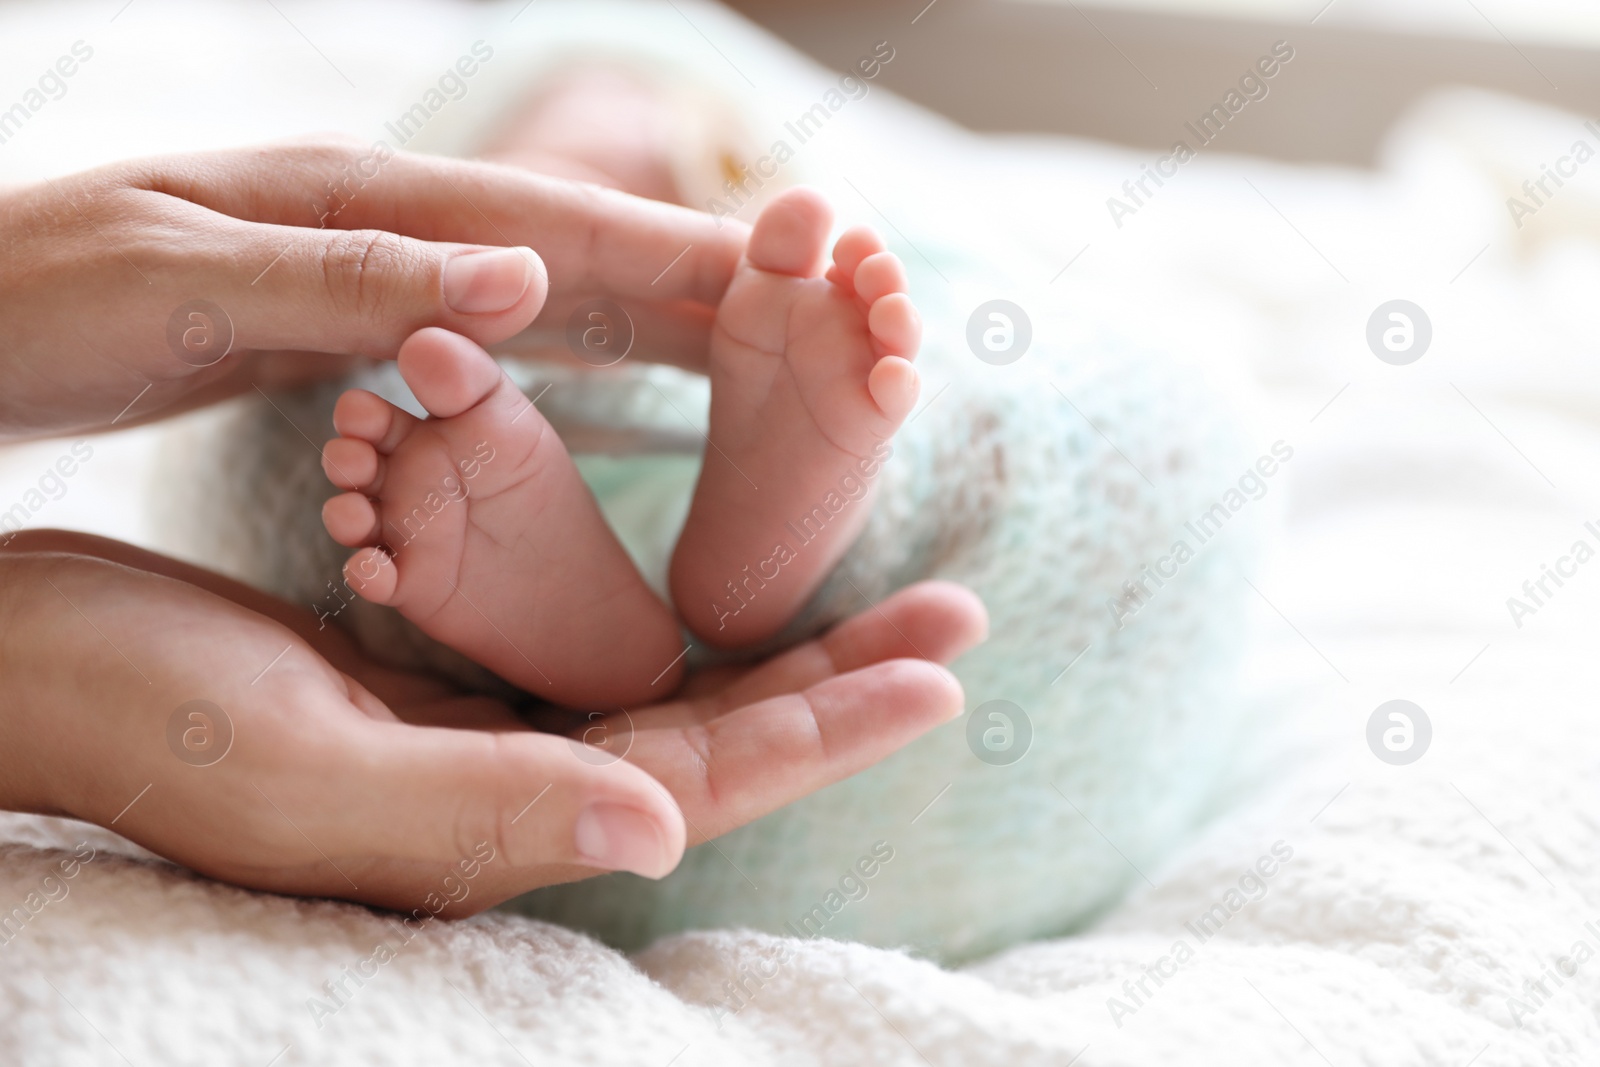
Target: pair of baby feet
475,525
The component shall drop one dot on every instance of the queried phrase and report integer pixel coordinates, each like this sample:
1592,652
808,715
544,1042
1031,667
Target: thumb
436,794
363,292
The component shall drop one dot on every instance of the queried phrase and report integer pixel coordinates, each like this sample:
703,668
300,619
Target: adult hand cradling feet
346,778
311,253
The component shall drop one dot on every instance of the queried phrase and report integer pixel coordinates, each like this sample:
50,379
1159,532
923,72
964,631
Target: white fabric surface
1417,899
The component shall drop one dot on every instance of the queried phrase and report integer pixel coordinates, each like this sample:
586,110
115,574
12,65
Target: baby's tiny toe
353,464
362,415
791,233
895,325
371,572
448,373
894,386
350,520
879,275
855,245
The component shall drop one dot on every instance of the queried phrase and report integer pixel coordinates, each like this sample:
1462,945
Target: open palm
221,729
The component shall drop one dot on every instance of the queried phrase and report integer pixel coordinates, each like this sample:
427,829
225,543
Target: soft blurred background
1130,71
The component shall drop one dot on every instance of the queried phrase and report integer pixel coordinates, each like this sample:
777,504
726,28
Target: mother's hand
142,287
336,778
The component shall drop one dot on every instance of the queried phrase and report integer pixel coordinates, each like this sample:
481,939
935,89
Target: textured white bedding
1420,908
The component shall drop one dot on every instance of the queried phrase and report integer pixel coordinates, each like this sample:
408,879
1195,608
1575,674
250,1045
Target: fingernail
480,283
622,839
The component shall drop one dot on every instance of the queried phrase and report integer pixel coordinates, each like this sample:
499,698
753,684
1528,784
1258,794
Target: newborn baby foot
475,525
810,376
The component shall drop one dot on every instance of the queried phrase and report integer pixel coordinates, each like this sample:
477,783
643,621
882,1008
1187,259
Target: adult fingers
932,620
736,768
591,238
356,291
433,794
